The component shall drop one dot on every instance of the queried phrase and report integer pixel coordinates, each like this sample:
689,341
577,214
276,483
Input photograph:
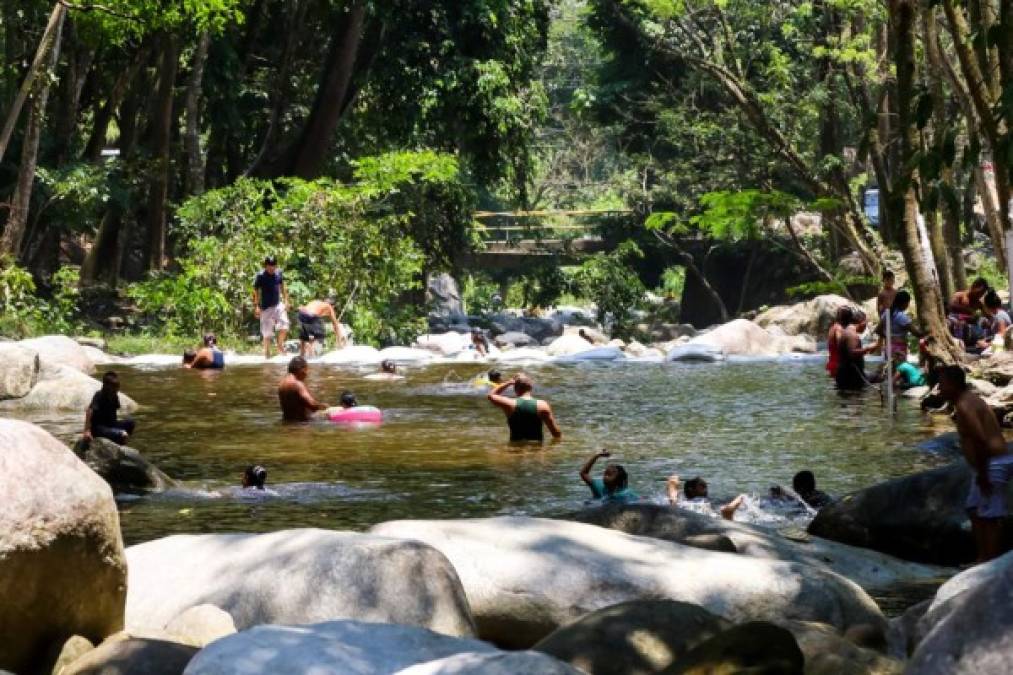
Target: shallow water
442,450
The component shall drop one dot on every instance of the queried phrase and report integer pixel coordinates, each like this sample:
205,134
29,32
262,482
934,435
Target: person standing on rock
984,448
100,419
525,413
268,293
297,404
311,325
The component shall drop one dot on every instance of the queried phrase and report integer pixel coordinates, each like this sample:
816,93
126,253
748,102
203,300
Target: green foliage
24,312
613,285
673,280
742,214
478,292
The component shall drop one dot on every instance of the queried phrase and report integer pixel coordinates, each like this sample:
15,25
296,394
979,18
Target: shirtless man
297,404
208,357
525,414
966,303
985,450
311,325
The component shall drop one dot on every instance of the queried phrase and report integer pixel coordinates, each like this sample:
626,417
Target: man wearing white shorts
268,292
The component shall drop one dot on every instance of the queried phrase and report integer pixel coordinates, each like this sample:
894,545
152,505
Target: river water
442,449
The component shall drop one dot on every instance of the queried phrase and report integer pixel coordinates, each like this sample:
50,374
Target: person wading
268,292
525,413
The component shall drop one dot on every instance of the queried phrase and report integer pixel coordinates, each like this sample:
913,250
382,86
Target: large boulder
968,630
515,339
124,654
525,577
124,468
868,569
812,317
444,344
997,369
495,663
201,625
757,647
62,568
568,345
920,517
64,388
538,328
331,648
632,638
296,576
444,295
19,370
745,338
60,350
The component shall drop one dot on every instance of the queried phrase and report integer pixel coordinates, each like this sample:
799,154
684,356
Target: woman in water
900,324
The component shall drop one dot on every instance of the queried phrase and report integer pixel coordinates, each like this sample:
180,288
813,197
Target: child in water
613,486
254,477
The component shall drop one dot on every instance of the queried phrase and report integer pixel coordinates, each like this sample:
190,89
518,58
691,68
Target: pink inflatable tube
359,414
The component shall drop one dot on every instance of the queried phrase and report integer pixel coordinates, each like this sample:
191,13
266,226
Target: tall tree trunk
161,136
194,183
954,247
104,114
17,219
78,60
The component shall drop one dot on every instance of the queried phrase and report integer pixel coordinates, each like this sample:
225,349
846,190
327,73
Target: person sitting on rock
963,307
995,322
525,414
696,493
207,357
297,404
388,371
613,485
100,419
804,485
254,477
479,342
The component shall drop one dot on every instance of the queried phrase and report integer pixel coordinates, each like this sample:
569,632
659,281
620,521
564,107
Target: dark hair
804,482
494,376
888,274
992,300
692,484
270,260
189,356
110,384
846,316
859,316
954,374
388,366
622,478
348,399
255,476
980,283
900,301
296,364
523,383
210,339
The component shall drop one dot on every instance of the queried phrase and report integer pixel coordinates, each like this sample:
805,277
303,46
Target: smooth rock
201,625
60,350
63,388
405,354
632,638
568,345
525,577
72,650
62,568
827,653
522,355
331,648
997,369
538,328
296,576
124,468
501,663
19,370
596,336
920,517
91,342
757,648
101,358
695,353
515,339
744,338
595,354
636,349
127,655
812,317
355,355
868,569
445,344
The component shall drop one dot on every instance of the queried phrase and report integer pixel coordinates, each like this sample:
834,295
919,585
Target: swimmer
207,357
297,404
388,371
254,477
492,378
906,375
803,484
525,414
696,493
613,484
348,400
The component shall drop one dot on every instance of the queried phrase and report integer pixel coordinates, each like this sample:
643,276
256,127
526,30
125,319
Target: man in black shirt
268,292
100,418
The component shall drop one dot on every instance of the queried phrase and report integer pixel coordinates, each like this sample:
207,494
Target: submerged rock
869,569
19,370
62,568
124,468
497,663
526,577
296,576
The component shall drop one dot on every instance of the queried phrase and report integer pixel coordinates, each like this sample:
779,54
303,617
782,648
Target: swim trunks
272,319
310,327
995,504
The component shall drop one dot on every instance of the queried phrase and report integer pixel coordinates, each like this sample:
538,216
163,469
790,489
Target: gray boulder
62,568
695,353
19,370
60,350
499,663
331,648
515,339
997,369
124,468
201,625
812,317
526,577
63,388
639,637
296,576
124,654
868,569
920,517
537,328
444,294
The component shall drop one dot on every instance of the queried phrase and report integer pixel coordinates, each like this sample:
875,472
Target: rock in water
515,339
60,350
526,577
19,370
757,648
64,388
827,653
62,568
126,655
804,318
568,345
868,569
331,648
296,576
919,517
124,468
201,625
632,638
499,663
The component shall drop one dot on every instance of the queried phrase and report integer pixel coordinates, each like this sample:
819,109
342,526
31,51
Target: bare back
318,308
980,434
297,405
885,300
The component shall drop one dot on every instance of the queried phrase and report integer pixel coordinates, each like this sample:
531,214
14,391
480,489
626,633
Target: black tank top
524,422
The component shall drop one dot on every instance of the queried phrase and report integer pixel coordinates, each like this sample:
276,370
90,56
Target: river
442,449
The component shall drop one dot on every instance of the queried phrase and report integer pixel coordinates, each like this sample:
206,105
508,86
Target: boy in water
984,448
297,404
100,418
613,486
696,493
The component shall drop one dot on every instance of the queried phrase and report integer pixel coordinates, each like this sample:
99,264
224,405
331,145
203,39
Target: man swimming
696,492
297,404
388,371
613,486
311,326
984,448
207,357
525,414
